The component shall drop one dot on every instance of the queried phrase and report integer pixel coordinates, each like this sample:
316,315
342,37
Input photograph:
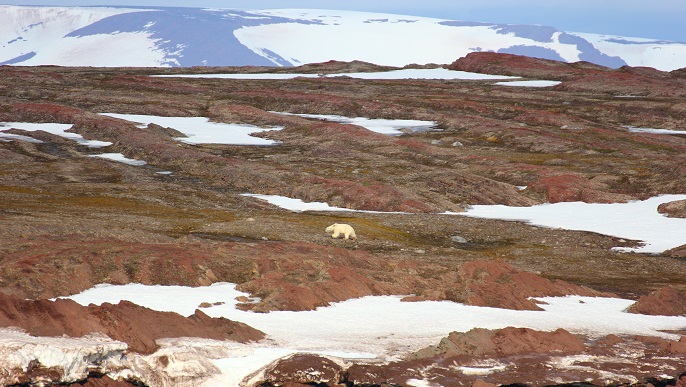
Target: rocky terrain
69,221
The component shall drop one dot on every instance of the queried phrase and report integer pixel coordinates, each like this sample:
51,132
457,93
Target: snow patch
199,130
634,129
298,205
52,128
120,158
383,126
529,83
437,73
637,220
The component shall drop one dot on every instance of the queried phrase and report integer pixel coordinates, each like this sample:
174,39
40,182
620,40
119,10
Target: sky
657,19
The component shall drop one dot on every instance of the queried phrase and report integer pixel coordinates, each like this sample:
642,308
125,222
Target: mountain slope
98,36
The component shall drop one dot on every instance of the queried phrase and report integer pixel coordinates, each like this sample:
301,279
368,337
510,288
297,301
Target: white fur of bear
339,228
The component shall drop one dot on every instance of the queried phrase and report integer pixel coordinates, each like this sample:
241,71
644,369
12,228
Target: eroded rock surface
69,221
666,301
676,209
137,326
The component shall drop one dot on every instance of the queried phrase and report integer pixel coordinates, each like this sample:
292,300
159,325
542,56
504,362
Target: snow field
374,327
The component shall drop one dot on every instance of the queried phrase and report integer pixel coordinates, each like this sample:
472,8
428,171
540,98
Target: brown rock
677,347
677,252
103,381
675,209
482,383
480,342
304,369
667,301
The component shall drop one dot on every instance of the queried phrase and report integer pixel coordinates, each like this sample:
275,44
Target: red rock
509,64
579,76
139,327
666,301
498,284
677,347
480,342
574,188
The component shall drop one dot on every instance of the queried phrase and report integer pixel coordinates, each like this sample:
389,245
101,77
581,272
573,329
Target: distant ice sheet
383,126
53,128
638,220
438,73
200,130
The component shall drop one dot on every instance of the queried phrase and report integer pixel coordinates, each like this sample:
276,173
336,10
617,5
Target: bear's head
330,228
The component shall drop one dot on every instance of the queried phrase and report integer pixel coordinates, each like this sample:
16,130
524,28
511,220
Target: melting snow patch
120,158
75,356
199,130
481,371
421,383
654,131
53,128
575,362
383,126
298,205
440,73
638,220
7,137
529,83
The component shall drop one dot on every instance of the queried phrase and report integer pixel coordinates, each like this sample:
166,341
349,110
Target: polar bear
340,228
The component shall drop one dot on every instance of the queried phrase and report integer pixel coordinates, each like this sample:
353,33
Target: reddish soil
69,221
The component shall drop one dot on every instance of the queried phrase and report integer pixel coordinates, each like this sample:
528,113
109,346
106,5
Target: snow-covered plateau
107,36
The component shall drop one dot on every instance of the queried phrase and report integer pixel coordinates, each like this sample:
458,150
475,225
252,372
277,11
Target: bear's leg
335,234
